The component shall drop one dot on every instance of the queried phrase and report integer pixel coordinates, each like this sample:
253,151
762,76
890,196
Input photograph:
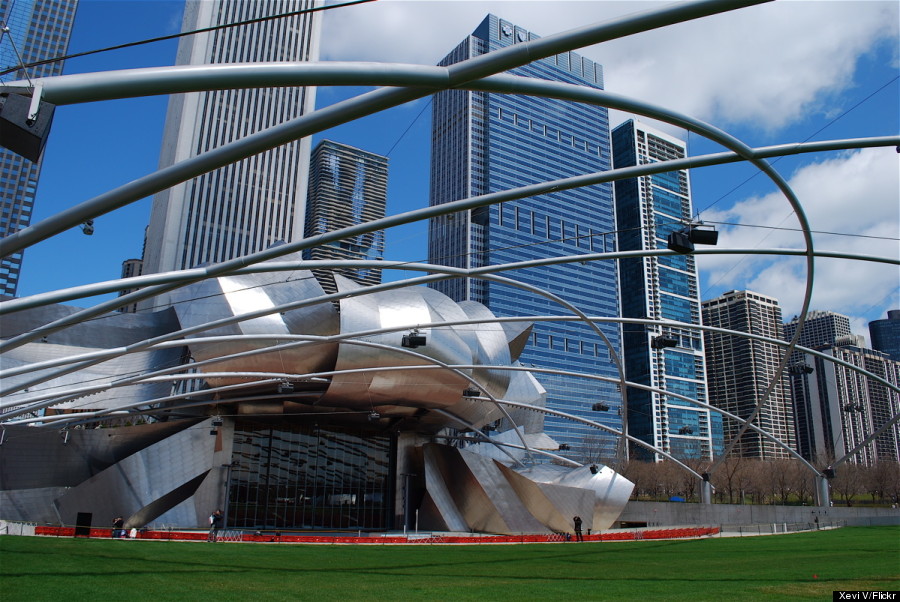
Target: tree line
752,481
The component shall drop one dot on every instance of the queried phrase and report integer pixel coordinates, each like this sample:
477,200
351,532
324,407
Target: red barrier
344,539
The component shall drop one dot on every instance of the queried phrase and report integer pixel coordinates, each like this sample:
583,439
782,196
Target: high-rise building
885,334
35,30
487,142
648,209
838,408
250,205
740,370
820,328
130,269
347,187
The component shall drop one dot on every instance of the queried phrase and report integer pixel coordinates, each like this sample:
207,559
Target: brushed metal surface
481,494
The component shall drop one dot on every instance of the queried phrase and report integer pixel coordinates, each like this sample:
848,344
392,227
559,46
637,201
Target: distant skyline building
885,334
130,269
740,370
820,328
487,142
347,187
250,205
838,408
648,209
38,30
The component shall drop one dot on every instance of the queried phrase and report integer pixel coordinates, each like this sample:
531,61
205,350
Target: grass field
800,566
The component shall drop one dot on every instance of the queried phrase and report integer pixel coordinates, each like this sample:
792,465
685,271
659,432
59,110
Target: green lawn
802,566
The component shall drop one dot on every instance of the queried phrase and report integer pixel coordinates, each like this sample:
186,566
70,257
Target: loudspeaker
704,236
20,134
413,340
680,242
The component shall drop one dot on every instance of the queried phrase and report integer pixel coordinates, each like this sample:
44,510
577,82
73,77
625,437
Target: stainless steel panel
611,489
553,505
404,309
231,296
31,505
144,477
105,373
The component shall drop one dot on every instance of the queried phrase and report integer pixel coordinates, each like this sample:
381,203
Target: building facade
740,370
347,187
648,209
838,408
130,269
38,30
328,424
820,328
885,334
486,142
252,204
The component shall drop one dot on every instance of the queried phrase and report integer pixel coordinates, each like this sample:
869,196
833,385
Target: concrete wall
665,514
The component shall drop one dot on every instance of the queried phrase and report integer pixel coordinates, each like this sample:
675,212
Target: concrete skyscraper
347,187
488,142
647,210
37,30
739,370
249,205
819,328
838,408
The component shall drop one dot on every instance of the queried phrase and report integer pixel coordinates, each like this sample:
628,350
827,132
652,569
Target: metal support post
823,491
706,490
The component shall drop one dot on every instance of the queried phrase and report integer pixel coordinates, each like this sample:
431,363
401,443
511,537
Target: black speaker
413,340
20,134
704,236
680,242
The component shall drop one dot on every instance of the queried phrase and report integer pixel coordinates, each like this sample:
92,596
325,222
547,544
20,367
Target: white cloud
765,65
856,192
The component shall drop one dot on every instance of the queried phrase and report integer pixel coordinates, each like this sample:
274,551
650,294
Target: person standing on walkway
578,535
215,522
118,527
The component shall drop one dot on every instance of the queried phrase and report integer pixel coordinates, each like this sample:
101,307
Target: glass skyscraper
37,30
246,206
486,142
886,334
648,209
347,187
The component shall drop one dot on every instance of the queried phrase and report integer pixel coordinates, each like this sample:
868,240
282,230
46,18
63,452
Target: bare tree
782,479
600,449
802,480
757,481
848,482
639,473
883,481
669,475
733,481
689,487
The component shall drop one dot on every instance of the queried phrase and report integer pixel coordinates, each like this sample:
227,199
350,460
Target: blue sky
772,74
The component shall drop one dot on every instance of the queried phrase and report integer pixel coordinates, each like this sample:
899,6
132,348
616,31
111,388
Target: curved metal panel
416,388
490,348
611,490
231,296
